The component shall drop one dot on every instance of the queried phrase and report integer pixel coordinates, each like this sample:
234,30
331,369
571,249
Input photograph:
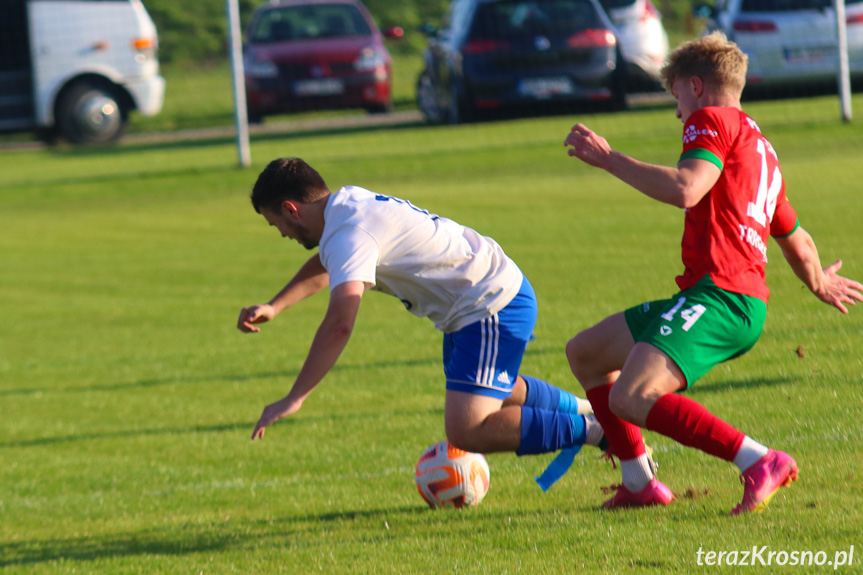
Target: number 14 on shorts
690,315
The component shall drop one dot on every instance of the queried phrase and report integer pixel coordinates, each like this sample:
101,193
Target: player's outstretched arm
682,186
309,280
330,340
800,252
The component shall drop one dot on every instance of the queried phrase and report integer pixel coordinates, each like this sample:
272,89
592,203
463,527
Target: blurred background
193,56
431,60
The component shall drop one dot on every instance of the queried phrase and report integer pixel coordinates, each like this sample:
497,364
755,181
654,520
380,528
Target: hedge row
197,31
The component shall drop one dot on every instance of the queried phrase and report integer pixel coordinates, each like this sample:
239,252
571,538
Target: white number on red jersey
761,210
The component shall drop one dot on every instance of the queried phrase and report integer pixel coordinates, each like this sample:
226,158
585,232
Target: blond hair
720,63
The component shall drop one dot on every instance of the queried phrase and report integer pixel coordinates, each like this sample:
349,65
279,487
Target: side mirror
394,33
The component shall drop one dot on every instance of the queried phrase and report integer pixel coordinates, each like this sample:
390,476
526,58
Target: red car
316,54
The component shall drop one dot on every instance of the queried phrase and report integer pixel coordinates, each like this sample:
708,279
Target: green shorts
699,327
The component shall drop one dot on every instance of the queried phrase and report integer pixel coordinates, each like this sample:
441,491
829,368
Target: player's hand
254,314
587,146
274,412
837,290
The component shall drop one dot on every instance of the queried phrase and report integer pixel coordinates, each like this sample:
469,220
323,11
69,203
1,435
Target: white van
77,67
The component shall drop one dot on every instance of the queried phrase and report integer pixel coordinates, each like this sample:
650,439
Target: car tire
89,113
619,83
254,117
427,99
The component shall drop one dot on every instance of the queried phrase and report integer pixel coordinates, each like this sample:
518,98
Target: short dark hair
287,179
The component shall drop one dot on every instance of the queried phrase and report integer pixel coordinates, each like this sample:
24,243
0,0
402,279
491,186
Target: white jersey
436,267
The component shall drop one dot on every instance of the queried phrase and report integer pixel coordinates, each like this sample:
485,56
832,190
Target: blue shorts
484,357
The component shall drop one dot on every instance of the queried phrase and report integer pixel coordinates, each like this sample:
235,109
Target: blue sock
545,396
544,431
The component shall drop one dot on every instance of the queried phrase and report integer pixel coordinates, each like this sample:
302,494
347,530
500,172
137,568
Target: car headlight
261,68
371,59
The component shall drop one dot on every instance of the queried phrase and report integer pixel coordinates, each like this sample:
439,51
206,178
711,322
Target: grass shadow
179,540
147,383
368,514
120,178
738,384
210,378
153,542
127,433
245,426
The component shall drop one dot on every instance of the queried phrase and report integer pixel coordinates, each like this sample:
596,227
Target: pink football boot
654,493
763,479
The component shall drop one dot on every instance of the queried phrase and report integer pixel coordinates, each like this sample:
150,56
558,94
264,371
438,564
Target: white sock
593,430
750,452
583,407
636,473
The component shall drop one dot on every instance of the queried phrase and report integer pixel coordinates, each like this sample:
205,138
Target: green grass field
128,397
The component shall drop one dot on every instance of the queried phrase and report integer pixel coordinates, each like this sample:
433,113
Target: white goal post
241,120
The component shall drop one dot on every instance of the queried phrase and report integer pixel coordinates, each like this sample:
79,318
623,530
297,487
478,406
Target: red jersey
725,234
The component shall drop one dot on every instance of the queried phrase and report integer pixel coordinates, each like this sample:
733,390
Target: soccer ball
449,477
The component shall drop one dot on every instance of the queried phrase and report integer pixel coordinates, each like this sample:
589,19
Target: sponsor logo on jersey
753,238
691,133
504,377
665,330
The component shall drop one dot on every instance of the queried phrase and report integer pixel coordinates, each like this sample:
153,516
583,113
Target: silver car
790,43
643,40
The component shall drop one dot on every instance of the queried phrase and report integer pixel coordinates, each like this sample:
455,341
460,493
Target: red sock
624,438
689,423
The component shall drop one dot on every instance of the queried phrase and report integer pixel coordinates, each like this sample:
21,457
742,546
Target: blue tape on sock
567,402
540,393
558,467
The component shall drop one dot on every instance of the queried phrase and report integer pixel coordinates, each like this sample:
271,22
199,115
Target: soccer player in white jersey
461,280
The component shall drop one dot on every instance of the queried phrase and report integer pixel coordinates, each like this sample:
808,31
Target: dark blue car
510,54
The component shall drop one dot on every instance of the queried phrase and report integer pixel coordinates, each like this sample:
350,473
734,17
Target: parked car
316,54
790,44
504,54
643,40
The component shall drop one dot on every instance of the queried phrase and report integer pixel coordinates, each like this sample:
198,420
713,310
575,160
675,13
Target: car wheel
90,114
427,99
619,83
254,117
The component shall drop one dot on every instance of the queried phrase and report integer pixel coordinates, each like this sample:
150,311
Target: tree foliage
198,31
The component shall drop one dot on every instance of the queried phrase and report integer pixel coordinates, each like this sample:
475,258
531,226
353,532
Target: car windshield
508,19
310,22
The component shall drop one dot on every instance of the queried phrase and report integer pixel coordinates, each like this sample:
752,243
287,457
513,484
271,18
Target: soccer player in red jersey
728,180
